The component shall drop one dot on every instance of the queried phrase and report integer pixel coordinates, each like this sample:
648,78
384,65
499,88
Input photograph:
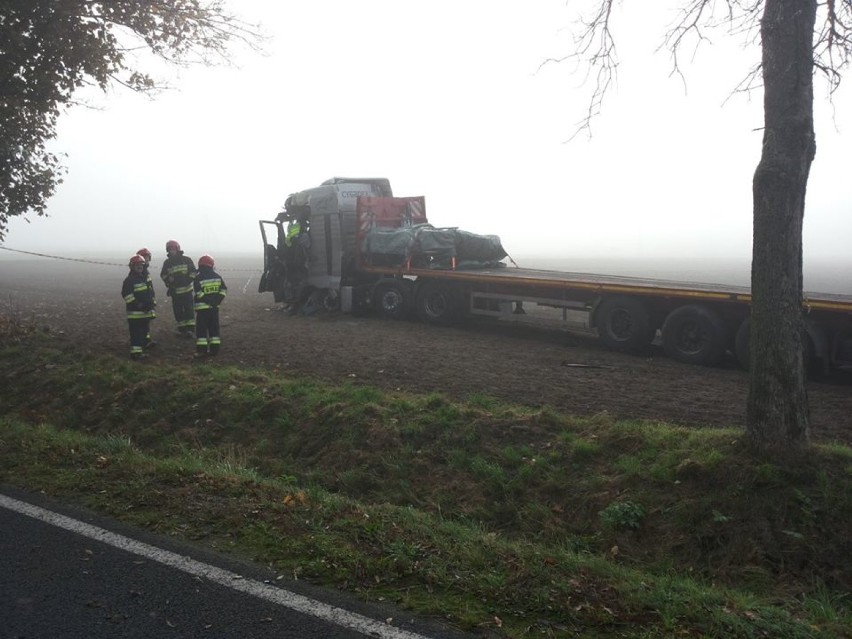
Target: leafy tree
49,49
795,45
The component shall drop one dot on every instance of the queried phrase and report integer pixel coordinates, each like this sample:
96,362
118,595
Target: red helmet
205,260
136,259
144,253
172,245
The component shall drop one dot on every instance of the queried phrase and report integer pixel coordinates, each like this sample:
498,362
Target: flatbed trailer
695,322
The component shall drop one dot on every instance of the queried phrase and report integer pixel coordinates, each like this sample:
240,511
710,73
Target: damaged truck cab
308,268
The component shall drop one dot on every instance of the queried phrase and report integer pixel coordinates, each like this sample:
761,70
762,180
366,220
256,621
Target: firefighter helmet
144,253
205,260
136,260
172,245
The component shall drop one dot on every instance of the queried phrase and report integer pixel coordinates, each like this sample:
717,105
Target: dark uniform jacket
178,272
210,289
138,296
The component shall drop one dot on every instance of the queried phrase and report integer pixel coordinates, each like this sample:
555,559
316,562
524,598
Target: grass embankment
505,520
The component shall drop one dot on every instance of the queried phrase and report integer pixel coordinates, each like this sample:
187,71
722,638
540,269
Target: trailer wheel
438,303
695,335
392,299
624,324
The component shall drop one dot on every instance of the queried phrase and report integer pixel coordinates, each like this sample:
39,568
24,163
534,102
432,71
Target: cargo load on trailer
350,245
433,247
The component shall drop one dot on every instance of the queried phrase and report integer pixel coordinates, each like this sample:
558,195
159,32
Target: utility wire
88,261
58,257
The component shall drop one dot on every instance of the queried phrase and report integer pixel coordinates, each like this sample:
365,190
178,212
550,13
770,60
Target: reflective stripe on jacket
210,289
138,300
178,272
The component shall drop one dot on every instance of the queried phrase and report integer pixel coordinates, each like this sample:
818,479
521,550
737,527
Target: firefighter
139,303
178,273
146,255
210,290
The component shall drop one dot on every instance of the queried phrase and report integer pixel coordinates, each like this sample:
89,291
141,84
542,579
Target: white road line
248,281
299,603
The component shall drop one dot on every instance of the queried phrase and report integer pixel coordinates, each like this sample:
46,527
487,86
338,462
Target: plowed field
80,303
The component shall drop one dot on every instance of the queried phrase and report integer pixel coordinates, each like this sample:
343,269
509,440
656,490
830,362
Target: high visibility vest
293,230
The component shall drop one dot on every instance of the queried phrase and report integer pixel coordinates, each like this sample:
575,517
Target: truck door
272,279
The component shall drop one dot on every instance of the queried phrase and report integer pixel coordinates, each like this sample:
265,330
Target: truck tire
695,335
392,299
438,303
624,324
321,300
330,300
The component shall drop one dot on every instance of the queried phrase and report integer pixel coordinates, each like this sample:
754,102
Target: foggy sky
448,100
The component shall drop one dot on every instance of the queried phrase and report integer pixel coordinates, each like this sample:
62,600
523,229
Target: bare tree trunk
777,418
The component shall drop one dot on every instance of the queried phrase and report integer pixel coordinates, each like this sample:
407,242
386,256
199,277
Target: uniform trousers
207,338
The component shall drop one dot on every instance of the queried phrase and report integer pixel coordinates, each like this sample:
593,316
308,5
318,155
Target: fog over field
245,266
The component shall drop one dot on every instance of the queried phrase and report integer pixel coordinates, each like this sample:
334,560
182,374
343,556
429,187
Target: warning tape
87,261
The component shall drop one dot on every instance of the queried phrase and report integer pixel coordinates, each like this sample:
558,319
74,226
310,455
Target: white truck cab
320,255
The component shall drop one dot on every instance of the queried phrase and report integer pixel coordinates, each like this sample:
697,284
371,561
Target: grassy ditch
507,521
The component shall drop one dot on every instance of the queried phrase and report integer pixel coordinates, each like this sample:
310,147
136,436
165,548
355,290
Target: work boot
138,356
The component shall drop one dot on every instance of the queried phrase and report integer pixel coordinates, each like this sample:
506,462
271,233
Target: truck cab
309,266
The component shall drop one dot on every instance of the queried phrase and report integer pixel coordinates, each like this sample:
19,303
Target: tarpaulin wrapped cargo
427,246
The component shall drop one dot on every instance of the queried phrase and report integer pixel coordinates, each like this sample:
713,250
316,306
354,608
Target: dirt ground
80,302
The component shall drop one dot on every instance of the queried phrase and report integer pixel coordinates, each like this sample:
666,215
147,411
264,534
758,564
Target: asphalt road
70,574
